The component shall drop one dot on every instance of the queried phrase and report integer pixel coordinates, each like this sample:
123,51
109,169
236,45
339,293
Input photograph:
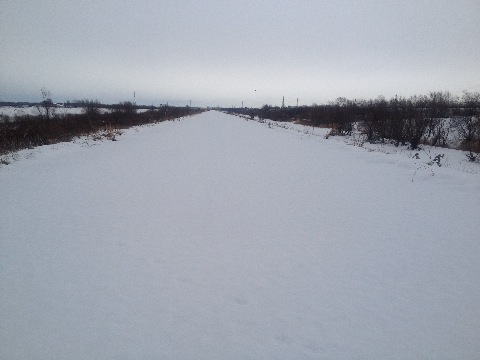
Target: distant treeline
49,127
426,118
71,104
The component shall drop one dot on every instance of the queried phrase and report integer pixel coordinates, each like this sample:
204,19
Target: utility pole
283,102
297,102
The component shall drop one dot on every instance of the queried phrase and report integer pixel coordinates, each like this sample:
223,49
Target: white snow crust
214,237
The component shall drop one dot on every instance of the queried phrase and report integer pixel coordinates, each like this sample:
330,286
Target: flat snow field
34,110
215,237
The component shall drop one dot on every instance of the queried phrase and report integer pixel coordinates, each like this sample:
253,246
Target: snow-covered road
214,237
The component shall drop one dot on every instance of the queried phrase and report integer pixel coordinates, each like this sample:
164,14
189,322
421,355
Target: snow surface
214,237
35,110
13,111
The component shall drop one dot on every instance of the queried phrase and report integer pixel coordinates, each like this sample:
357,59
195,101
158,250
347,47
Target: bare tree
46,108
415,122
91,108
469,125
438,127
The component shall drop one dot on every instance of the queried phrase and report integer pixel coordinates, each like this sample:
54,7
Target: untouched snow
215,237
12,111
35,110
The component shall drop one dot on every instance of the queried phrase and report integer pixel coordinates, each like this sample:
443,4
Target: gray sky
220,52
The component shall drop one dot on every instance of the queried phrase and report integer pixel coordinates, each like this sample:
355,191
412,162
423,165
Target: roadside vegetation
433,119
49,127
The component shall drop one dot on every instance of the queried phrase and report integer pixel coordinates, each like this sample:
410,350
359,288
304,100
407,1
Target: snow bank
215,237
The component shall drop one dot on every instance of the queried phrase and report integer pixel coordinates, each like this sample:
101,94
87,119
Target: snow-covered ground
35,110
214,237
13,111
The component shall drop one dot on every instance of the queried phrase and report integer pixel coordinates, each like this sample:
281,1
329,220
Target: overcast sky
220,52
